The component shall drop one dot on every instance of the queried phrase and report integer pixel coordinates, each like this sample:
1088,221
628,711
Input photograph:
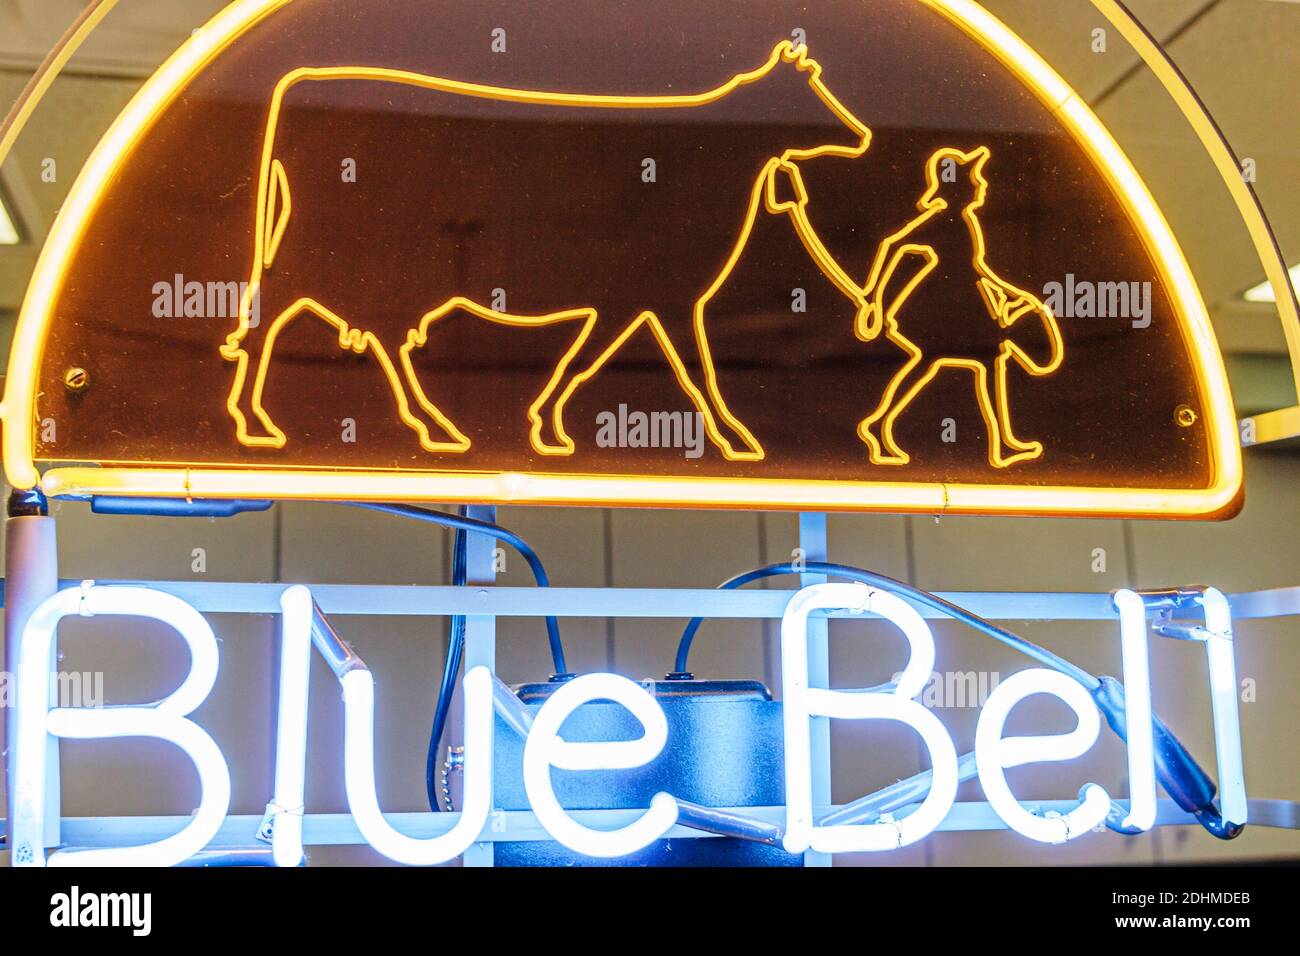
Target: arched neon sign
251,455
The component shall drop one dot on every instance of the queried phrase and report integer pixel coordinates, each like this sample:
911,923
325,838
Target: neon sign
545,747
734,236
600,335
1001,300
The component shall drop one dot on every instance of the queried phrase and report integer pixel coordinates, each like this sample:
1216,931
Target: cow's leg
252,353
251,347
424,416
598,342
698,379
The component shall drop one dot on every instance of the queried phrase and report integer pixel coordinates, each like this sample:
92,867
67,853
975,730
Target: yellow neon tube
274,204
1003,301
566,489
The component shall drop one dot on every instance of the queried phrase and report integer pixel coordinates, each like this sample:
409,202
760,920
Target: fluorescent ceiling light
8,231
1264,291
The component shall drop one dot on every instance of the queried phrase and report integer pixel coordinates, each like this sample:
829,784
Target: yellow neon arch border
157,94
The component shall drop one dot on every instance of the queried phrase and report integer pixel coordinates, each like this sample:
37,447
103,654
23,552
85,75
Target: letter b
802,702
39,725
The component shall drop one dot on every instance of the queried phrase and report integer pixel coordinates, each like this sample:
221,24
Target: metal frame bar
480,636
813,545
214,597
32,551
339,829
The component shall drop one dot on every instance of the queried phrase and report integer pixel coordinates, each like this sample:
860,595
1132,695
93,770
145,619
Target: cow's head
807,103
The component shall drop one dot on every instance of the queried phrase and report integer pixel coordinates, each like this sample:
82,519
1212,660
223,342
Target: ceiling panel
1062,32
132,40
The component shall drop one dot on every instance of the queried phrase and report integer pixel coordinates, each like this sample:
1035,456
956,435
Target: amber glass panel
542,210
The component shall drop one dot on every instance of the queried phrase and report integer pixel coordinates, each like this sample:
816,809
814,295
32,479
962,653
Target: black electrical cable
475,526
1187,784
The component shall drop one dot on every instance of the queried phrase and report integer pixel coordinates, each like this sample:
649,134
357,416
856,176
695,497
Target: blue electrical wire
1187,784
463,525
886,583
474,526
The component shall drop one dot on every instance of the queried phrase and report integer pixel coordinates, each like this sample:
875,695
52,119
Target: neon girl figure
974,330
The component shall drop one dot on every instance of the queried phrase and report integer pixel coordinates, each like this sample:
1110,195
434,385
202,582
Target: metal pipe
31,560
814,547
340,829
894,797
234,856
481,645
338,655
510,708
726,823
415,600
45,74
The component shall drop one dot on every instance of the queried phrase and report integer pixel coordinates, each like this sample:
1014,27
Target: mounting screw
76,379
1185,416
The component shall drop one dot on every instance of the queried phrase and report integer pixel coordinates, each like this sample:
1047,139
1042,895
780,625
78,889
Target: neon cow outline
275,209
1006,304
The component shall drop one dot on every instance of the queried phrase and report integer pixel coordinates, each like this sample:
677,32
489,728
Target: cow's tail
275,219
279,205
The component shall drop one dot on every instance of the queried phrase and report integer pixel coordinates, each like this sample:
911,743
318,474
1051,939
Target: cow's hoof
547,442
878,454
745,453
890,459
261,441
733,440
254,430
454,446
864,432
